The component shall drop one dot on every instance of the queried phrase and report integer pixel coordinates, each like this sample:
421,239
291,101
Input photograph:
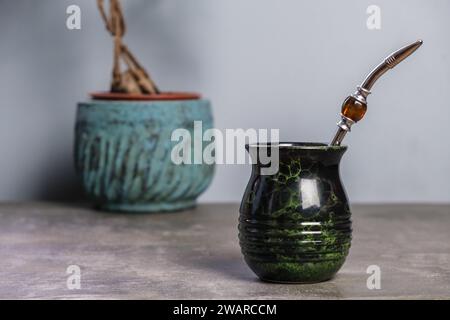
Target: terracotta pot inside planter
164,96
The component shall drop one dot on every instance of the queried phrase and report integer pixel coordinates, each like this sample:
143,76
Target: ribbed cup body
295,226
123,154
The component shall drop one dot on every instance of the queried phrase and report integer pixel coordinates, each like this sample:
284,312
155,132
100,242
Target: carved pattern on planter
123,154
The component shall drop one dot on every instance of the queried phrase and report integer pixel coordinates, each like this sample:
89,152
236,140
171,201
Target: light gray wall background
284,64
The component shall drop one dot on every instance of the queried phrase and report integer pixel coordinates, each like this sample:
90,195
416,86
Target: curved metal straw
364,89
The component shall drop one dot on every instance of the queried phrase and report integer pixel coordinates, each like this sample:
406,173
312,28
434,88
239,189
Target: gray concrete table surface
195,255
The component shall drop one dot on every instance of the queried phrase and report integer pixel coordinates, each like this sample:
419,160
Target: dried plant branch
135,79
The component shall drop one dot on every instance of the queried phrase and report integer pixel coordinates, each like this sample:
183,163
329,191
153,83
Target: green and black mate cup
295,225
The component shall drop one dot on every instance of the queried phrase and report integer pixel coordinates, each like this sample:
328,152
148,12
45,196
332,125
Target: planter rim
164,96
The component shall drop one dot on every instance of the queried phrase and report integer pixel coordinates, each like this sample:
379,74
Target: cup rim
297,146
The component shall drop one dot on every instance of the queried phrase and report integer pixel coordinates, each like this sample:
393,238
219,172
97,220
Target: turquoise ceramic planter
123,154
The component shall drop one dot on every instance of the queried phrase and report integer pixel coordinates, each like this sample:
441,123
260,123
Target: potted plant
123,139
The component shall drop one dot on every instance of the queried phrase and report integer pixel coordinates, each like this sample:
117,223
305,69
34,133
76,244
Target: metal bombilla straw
355,106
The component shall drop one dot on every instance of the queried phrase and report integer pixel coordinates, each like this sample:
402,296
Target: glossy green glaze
123,154
295,226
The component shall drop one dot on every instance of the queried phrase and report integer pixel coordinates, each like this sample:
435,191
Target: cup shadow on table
232,266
